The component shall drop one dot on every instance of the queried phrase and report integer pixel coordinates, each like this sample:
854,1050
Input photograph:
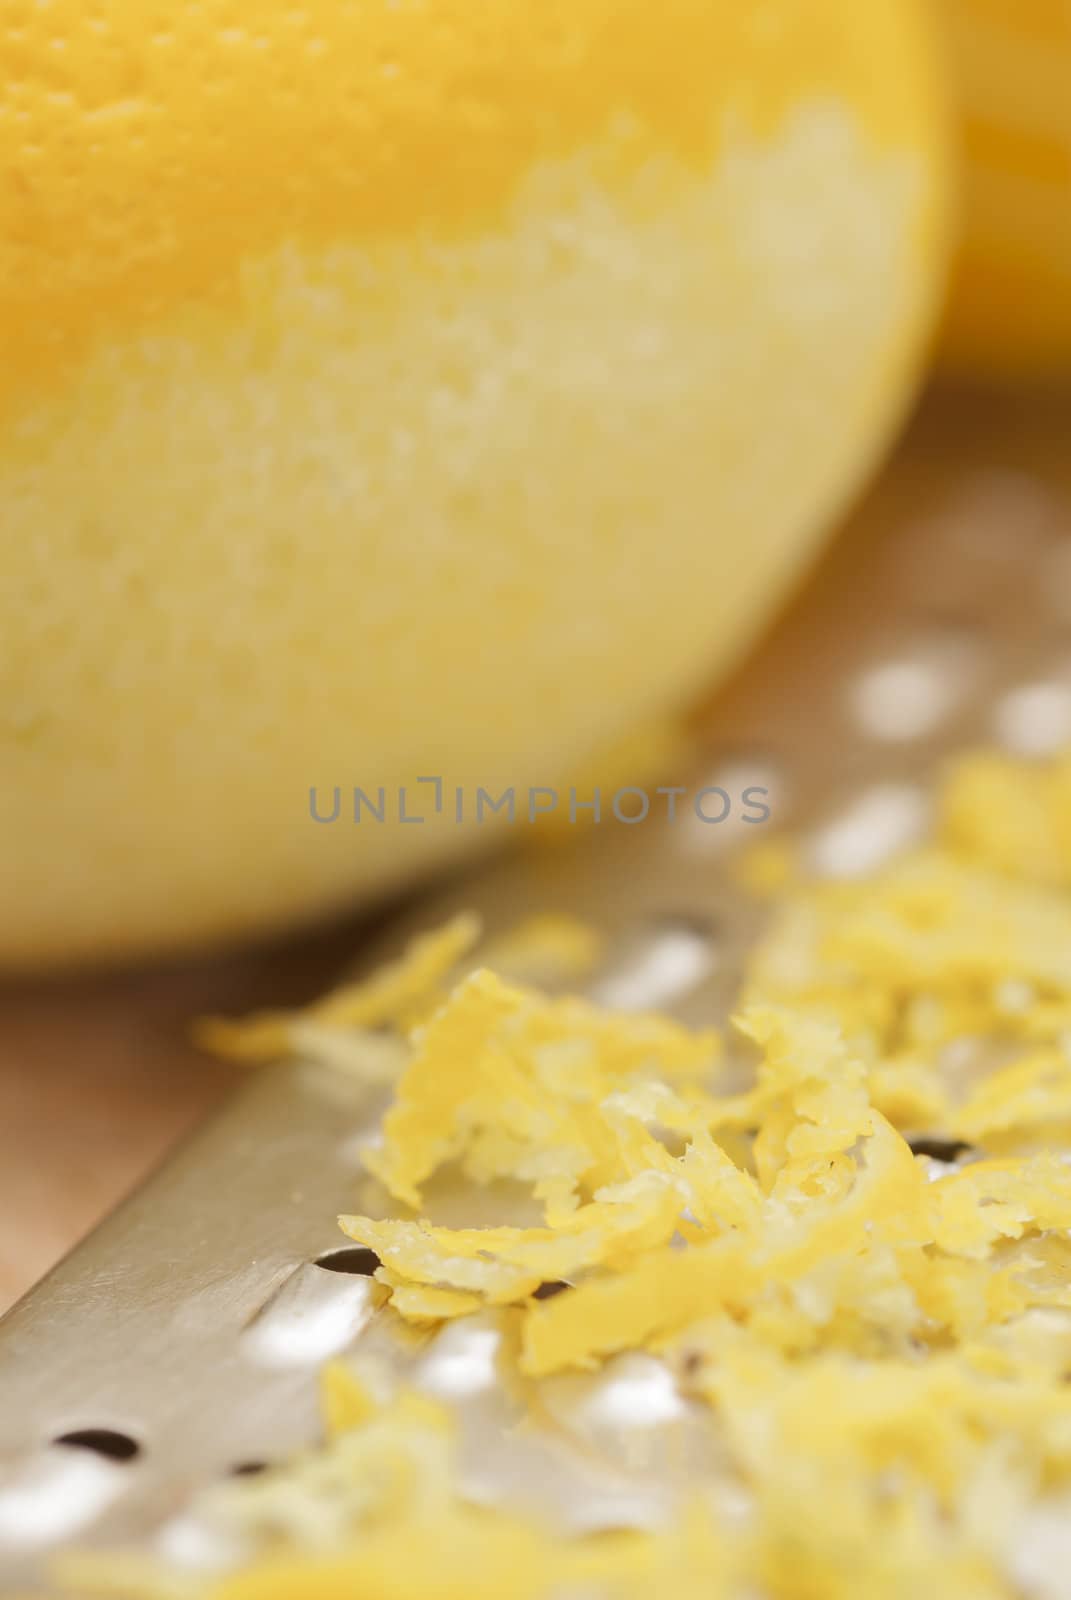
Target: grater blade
182,1341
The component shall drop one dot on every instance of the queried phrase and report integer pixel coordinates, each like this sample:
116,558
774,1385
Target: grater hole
874,827
106,1442
355,1259
463,1360
198,1545
315,1313
547,1291
948,1151
248,1469
743,791
998,514
661,963
1035,719
56,1493
910,695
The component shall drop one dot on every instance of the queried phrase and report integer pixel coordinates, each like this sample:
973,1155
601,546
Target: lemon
412,388
1010,311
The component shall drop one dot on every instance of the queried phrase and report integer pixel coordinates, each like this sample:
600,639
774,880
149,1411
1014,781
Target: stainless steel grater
182,1341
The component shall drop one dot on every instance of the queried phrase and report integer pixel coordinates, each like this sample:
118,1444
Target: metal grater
181,1342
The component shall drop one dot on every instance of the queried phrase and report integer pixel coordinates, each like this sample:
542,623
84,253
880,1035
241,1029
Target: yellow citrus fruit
1010,310
401,388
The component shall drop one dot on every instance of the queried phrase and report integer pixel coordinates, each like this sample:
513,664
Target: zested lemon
401,388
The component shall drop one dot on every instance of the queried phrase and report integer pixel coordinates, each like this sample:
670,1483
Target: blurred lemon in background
1010,308
413,387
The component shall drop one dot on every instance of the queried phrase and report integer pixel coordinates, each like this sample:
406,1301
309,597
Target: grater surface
182,1341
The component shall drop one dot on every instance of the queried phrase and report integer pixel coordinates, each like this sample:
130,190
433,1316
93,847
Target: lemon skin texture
434,387
1010,308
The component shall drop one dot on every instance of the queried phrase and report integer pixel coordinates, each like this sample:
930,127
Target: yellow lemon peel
388,996
546,948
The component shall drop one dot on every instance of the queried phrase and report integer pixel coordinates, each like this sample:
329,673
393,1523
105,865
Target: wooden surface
97,1077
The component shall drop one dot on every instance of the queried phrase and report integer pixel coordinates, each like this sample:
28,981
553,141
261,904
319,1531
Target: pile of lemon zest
878,1335
506,1264
388,997
992,1200
509,1083
373,1058
421,1303
1010,815
1033,1091
662,1293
